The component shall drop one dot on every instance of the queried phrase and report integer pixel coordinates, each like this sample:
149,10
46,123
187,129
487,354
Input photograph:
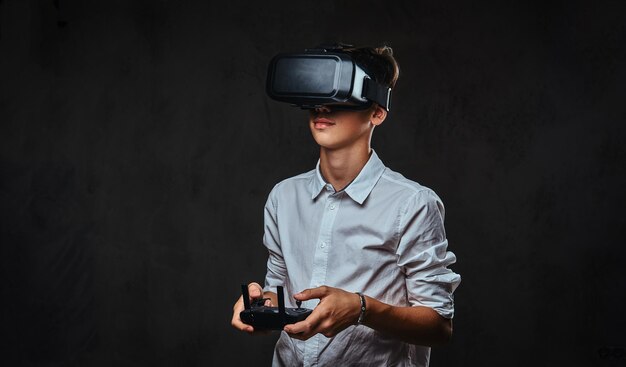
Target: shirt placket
320,267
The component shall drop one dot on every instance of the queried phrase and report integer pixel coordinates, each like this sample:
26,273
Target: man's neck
341,166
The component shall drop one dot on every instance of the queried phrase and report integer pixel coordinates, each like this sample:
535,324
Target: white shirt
382,235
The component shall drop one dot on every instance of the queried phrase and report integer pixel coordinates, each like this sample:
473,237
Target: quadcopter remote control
270,318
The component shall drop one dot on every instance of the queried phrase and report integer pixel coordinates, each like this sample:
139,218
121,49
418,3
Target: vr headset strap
377,93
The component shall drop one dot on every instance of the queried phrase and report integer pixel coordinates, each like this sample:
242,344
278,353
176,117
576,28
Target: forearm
416,325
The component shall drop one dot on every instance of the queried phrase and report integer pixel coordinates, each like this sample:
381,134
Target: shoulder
408,189
301,180
290,186
415,199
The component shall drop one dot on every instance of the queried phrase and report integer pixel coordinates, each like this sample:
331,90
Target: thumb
319,292
255,290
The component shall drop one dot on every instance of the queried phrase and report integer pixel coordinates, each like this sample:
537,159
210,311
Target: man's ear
378,115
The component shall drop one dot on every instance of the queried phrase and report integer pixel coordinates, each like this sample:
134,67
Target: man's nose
322,109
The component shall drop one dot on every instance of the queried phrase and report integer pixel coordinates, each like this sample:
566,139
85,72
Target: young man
353,225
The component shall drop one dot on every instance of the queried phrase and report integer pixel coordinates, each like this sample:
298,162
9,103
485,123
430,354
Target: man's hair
378,62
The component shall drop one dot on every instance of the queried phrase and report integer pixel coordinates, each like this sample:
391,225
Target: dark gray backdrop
138,148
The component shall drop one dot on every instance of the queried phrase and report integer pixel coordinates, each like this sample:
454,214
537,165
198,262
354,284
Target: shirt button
332,206
323,245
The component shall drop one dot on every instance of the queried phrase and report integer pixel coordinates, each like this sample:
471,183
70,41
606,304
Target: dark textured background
138,147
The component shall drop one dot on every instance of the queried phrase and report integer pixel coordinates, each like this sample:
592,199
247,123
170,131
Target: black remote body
270,318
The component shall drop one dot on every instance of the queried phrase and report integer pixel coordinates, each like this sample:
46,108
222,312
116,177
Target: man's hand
336,311
255,291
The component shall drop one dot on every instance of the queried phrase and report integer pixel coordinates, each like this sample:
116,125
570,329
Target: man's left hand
336,311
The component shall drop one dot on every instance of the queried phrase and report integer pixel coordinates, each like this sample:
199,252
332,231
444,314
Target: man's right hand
255,291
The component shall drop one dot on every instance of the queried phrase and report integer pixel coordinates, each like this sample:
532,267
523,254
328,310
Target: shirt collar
360,188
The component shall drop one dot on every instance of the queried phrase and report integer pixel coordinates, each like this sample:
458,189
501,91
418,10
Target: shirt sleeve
422,254
276,270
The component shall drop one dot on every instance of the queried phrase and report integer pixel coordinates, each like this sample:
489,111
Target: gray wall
138,147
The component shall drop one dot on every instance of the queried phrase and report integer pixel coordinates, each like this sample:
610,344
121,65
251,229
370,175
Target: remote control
270,318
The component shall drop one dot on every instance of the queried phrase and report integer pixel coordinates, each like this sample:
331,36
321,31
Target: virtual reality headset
324,76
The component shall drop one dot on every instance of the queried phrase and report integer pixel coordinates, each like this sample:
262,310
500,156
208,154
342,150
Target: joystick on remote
270,318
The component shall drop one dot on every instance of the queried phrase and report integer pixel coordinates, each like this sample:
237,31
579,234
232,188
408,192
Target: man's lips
322,123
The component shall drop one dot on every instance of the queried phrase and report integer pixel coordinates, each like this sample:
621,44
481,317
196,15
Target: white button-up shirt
382,235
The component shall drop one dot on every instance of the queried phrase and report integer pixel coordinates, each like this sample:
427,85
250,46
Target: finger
304,335
236,319
300,336
305,327
255,290
307,294
238,324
